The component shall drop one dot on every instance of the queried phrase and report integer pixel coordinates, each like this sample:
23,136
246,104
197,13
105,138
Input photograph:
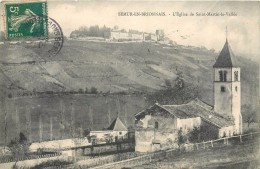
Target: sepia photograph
138,84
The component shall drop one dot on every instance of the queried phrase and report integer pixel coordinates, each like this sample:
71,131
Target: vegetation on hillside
96,31
176,92
52,163
114,67
19,147
92,31
249,114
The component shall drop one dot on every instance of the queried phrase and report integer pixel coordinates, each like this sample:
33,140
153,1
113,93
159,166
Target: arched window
225,76
236,88
156,125
236,75
220,75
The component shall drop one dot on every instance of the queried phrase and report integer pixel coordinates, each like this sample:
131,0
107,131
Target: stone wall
151,140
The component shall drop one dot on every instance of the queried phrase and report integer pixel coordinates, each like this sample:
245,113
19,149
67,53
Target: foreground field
241,156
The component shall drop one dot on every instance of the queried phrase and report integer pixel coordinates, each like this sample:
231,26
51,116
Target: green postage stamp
26,19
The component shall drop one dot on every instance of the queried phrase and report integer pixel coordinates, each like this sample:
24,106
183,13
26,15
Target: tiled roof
117,125
195,108
226,58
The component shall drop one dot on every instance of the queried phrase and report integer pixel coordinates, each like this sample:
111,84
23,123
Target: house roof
195,108
226,57
117,125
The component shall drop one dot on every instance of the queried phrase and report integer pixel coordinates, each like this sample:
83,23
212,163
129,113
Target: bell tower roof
226,58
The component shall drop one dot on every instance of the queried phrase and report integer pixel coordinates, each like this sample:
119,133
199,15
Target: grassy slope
107,66
117,67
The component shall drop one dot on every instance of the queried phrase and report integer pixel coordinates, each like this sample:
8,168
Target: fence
155,156
6,159
132,159
102,160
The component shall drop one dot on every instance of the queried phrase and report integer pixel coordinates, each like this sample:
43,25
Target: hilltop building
158,126
119,35
159,34
124,36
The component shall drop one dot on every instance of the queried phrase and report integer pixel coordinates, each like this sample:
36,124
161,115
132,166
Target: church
158,126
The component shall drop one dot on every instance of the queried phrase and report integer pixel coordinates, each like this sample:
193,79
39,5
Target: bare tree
17,122
62,119
249,114
28,123
91,116
72,121
51,126
108,111
40,128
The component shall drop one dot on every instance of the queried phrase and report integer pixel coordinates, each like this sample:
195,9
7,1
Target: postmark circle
58,37
53,43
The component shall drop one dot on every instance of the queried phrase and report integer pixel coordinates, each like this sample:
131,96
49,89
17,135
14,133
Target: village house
157,127
116,131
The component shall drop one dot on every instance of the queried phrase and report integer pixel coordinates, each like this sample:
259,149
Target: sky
209,31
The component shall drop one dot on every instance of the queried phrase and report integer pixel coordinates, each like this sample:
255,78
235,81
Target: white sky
209,31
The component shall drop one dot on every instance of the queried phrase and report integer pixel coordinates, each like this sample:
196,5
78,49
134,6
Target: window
220,75
225,76
236,88
236,75
156,125
120,133
222,89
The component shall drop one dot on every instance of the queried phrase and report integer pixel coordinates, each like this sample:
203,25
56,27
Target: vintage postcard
129,84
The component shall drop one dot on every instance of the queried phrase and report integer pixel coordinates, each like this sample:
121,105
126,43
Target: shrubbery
58,163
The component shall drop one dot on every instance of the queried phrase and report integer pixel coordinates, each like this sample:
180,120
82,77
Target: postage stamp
26,20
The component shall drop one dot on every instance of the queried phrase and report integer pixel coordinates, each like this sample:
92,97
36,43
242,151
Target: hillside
110,67
114,67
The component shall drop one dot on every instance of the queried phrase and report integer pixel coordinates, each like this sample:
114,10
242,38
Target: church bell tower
227,88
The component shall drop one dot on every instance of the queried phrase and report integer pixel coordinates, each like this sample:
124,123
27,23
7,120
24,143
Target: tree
180,138
86,132
174,95
86,90
179,81
19,147
10,95
80,132
81,91
194,135
168,83
34,91
248,114
93,90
